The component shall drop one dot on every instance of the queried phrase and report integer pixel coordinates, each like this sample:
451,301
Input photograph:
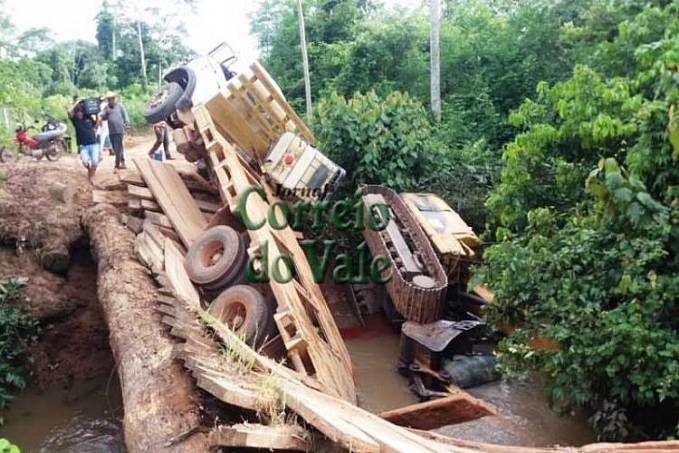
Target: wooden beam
116,197
140,192
457,408
253,435
174,198
174,269
158,219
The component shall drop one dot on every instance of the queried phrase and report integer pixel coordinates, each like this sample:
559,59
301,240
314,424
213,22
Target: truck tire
162,103
216,258
245,311
235,276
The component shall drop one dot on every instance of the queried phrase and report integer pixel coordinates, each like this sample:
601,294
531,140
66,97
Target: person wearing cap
118,125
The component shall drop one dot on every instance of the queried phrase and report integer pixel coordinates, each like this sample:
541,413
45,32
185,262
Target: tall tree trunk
141,55
305,60
435,16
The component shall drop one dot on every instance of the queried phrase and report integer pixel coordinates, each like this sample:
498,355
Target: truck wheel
245,311
216,257
162,104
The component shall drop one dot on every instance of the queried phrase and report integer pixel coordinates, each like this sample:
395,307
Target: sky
213,22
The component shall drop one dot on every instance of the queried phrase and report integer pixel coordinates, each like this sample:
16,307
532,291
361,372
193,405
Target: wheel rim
213,252
234,315
159,98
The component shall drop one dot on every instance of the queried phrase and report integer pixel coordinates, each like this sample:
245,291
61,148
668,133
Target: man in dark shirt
85,137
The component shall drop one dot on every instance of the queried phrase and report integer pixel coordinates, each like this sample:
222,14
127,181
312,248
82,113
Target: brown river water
86,418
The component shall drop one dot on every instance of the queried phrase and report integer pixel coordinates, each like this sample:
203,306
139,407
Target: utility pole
435,17
141,55
113,37
305,59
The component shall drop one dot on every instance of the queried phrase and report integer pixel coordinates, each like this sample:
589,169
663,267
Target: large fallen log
160,401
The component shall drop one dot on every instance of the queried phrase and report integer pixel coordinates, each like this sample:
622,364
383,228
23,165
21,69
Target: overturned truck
271,350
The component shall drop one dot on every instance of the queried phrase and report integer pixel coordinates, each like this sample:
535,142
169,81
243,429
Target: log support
160,401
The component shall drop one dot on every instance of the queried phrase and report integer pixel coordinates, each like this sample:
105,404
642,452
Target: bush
589,259
377,140
17,332
7,447
133,98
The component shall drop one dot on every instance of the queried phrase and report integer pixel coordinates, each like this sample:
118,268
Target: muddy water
83,418
524,415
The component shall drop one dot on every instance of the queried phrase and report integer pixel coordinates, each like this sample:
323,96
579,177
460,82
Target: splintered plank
132,177
110,196
171,194
252,435
459,407
149,252
140,192
174,269
158,219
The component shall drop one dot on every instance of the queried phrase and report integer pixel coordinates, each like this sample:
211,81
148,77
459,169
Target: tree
34,40
586,214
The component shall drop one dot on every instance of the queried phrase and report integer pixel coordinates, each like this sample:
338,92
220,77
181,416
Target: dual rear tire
217,262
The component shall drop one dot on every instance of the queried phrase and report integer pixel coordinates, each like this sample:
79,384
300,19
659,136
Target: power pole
435,16
305,59
113,37
141,55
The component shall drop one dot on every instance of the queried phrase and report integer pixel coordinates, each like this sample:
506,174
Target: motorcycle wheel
5,155
53,152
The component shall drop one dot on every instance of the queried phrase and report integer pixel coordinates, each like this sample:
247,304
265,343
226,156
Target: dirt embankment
41,237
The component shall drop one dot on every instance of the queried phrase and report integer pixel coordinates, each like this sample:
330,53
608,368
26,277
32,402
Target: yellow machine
454,241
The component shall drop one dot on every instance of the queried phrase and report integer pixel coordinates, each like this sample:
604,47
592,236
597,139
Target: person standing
104,141
85,137
118,125
162,138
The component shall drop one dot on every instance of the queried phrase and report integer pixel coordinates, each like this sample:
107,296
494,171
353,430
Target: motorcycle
50,142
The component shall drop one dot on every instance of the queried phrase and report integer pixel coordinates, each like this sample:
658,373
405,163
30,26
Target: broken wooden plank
174,198
140,192
253,435
115,197
174,269
148,252
459,407
134,205
165,231
132,177
208,206
149,205
135,224
158,219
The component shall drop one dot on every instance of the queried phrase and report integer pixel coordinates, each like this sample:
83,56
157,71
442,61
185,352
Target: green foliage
38,74
589,258
377,140
7,447
17,332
